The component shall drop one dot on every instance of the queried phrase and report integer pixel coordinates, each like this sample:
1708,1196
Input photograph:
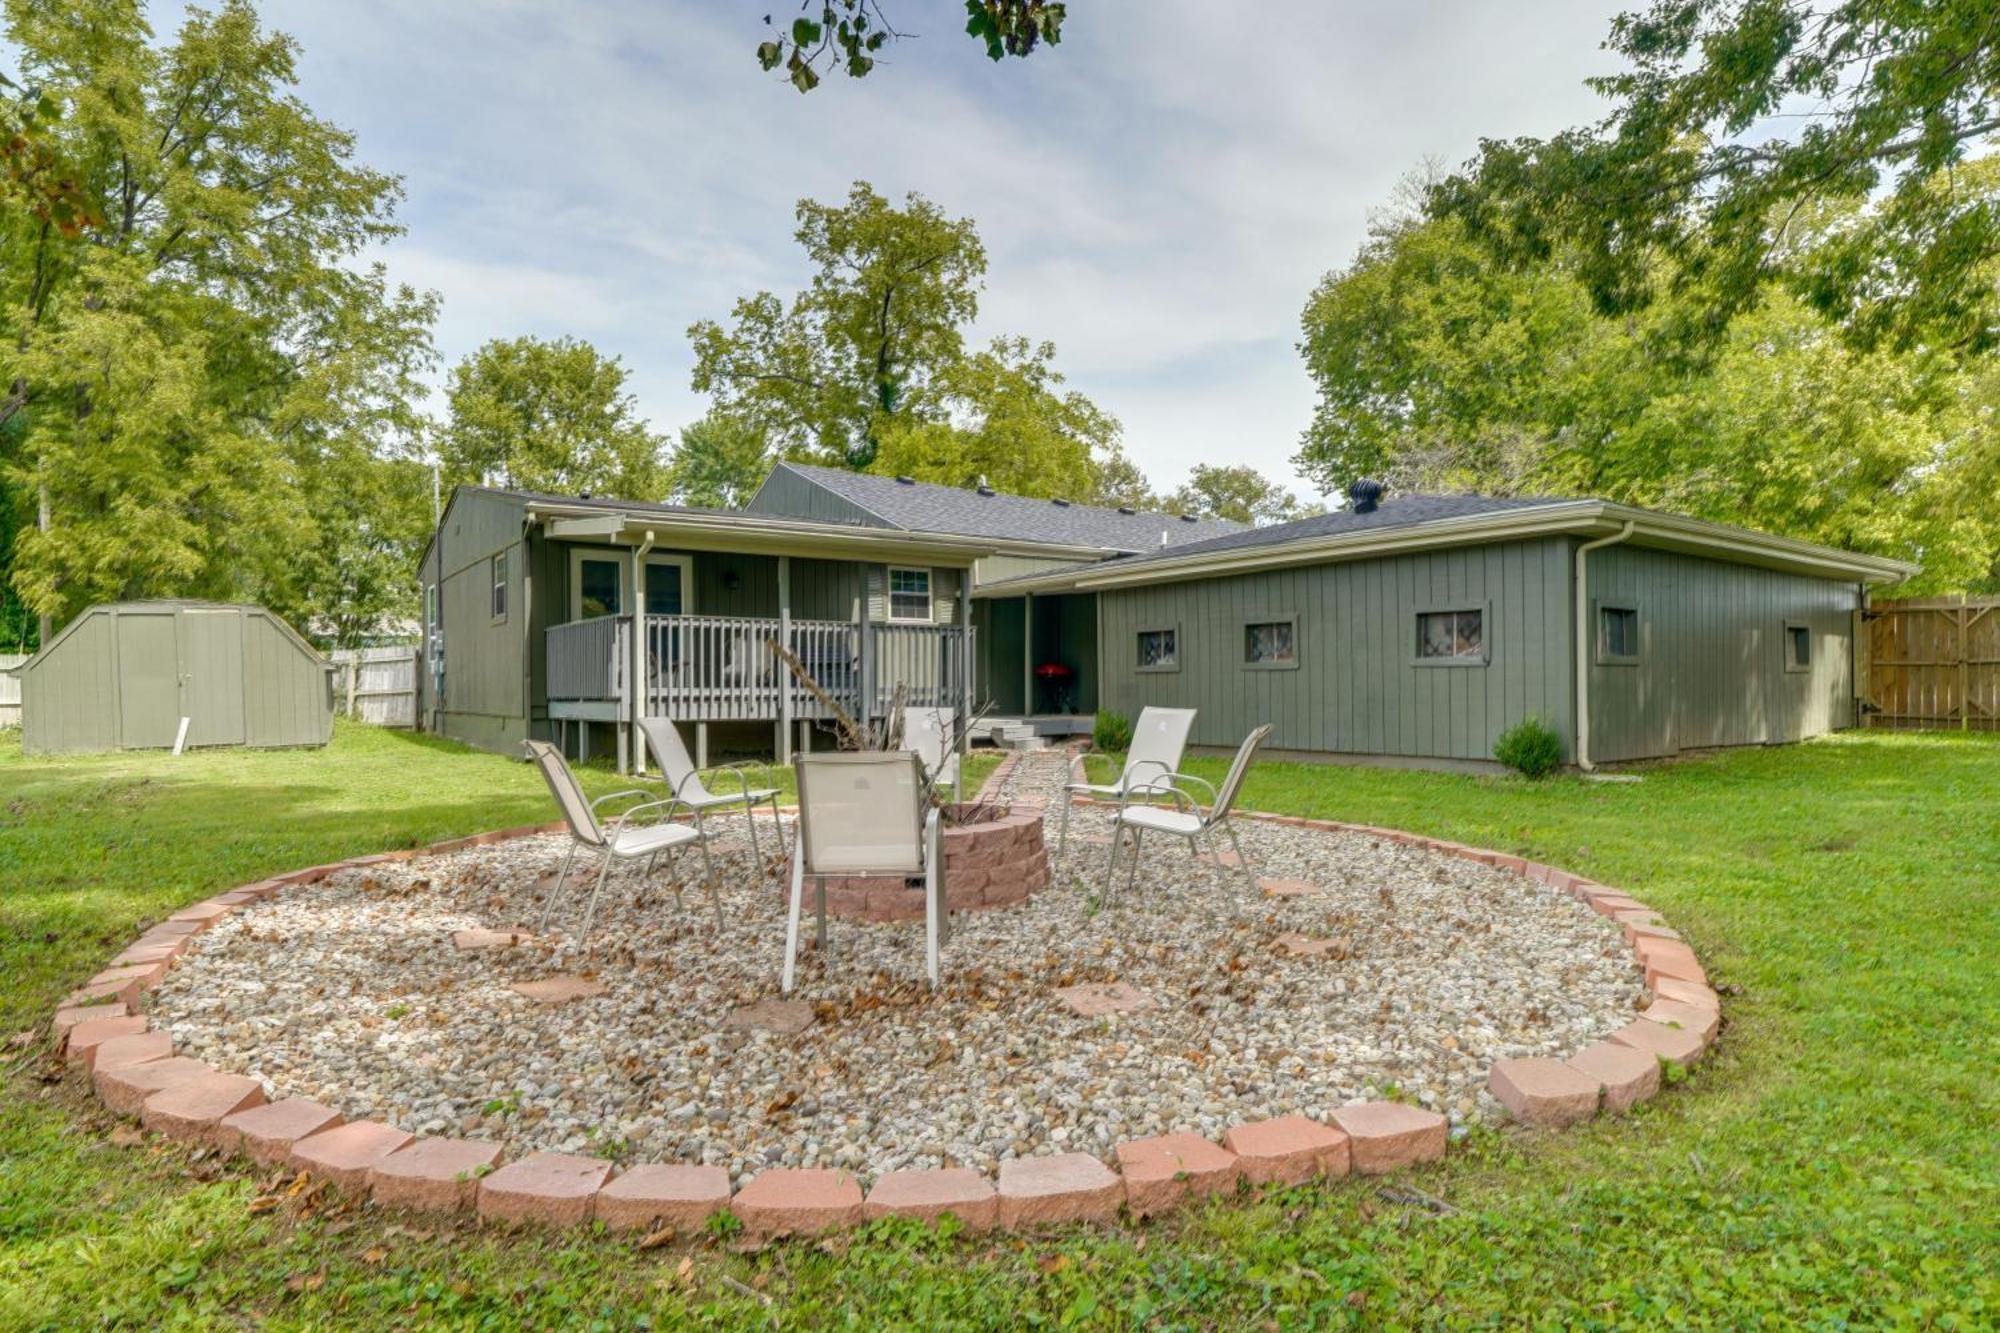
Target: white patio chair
622,840
1157,742
684,780
1185,818
864,814
928,731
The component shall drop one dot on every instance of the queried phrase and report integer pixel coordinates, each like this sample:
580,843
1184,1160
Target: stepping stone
1068,1187
125,1089
265,1134
929,1195
83,1037
471,941
785,1017
1626,1074
190,1111
1160,1172
1096,999
1294,945
550,1187
647,1197
788,1201
1288,888
1695,1018
435,1175
1225,857
1387,1136
1288,1150
345,1154
1542,1092
1677,1046
559,989
136,1048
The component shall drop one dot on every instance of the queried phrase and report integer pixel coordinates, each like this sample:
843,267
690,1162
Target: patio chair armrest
740,770
625,816
618,795
1174,785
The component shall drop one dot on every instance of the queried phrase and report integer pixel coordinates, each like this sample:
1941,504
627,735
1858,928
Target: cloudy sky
1157,195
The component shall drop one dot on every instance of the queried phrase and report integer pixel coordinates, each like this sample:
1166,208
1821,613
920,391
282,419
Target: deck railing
721,668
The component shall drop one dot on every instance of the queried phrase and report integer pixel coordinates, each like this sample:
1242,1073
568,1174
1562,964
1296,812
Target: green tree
850,34
1238,492
1732,122
892,288
177,375
1439,368
548,415
719,462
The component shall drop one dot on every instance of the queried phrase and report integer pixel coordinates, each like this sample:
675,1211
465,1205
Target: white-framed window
1617,633
1455,637
499,595
1160,649
598,574
1271,642
1798,646
909,594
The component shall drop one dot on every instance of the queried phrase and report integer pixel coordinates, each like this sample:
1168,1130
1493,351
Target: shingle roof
918,506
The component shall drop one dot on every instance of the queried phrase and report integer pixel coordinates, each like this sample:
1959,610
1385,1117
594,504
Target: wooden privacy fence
10,690
377,685
1932,662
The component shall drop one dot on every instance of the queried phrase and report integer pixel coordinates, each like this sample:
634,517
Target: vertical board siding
1356,690
1934,662
1711,669
487,665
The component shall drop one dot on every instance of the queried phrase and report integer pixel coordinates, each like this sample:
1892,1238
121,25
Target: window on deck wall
910,595
1451,636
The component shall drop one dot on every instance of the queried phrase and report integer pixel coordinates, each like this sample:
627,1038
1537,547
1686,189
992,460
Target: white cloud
1158,194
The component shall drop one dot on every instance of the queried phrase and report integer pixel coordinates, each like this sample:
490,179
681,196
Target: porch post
638,690
965,668
1027,655
779,671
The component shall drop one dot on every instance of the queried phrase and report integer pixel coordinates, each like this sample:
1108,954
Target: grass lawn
1835,1162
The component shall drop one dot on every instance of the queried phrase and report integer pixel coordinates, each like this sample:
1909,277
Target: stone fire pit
997,859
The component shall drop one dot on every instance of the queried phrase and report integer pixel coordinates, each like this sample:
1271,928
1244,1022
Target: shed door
214,686
149,681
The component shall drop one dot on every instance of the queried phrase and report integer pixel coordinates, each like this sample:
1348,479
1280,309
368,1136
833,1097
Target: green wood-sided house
1415,629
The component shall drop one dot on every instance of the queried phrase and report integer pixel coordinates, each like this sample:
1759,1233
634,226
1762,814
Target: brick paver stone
125,1089
1668,958
437,1175
558,990
1096,999
1611,904
1542,1092
1221,857
798,1201
81,1041
1387,1136
105,992
146,974
1677,1046
646,1197
1068,1187
204,914
552,1187
346,1153
163,951
472,941
1694,1017
1287,888
190,1111
1160,1172
265,1134
928,1195
1627,1075
1288,1150
136,1048
1686,992
68,1018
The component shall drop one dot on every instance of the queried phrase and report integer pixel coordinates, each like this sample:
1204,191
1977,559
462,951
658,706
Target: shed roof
921,506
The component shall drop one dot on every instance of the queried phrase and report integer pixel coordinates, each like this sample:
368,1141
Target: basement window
1617,635
1272,644
1798,646
500,586
1455,637
1159,649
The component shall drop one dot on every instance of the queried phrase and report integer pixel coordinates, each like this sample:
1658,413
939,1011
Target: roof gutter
1583,640
725,533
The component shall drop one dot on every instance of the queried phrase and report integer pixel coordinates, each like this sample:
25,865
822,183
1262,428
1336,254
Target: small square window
1798,647
1271,643
1451,636
910,595
1617,634
500,586
1159,650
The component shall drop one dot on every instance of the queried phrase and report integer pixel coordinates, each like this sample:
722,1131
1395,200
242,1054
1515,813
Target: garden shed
128,675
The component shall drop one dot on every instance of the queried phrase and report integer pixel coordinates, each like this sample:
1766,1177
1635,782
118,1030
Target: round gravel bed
1400,970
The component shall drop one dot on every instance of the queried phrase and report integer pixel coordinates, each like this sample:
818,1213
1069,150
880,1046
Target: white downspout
1583,641
637,691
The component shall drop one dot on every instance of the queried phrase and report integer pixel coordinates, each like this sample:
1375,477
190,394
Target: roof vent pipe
906,481
1364,495
1127,509
1059,502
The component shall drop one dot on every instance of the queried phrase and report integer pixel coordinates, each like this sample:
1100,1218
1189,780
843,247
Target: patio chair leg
1111,866
1242,860
590,912
933,910
1062,836
1138,844
714,885
555,889
756,850
821,885
792,924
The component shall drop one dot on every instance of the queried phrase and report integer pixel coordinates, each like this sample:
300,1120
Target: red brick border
187,1100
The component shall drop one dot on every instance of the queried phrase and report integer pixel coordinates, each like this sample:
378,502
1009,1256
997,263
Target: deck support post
779,672
637,693
701,745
